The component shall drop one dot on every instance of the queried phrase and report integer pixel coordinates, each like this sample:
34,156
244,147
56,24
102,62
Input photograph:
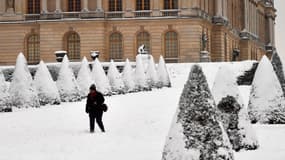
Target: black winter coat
94,102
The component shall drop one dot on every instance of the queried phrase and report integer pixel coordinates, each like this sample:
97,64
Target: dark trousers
98,116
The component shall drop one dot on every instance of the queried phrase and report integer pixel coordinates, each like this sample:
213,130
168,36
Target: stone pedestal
204,56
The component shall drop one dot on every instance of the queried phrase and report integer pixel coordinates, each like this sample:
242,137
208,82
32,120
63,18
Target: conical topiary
266,101
100,78
127,77
151,73
84,78
232,111
45,86
4,96
140,77
22,91
115,79
196,134
67,84
278,68
163,76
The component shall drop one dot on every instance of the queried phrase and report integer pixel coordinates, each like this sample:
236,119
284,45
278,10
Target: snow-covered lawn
137,125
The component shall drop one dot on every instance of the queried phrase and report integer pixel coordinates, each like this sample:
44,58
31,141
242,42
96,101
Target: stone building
177,29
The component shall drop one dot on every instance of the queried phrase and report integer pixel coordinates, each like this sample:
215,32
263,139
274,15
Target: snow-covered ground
137,125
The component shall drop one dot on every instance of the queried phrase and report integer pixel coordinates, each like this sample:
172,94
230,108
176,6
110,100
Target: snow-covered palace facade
177,29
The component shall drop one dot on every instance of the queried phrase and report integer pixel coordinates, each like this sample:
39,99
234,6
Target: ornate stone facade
235,29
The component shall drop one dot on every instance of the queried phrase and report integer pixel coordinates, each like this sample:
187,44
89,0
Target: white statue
141,49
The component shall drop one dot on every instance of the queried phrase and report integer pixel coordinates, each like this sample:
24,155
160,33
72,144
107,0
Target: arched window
73,46
74,5
115,5
143,38
33,49
34,6
142,5
171,46
116,47
170,4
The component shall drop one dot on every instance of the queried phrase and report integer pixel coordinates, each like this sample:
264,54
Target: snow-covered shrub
22,91
84,78
67,84
115,79
278,68
4,96
45,86
140,76
266,101
127,77
236,122
100,78
163,76
195,128
151,73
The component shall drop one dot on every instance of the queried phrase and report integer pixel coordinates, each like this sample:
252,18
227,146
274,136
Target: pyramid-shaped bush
151,74
66,83
163,76
196,134
84,78
45,86
266,101
22,91
278,68
100,78
128,78
4,96
232,111
115,79
140,76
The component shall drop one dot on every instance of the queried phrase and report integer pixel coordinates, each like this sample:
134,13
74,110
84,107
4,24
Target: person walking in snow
95,100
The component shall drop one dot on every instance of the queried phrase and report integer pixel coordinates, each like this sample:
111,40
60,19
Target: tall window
74,5
170,4
116,46
142,5
115,5
171,46
143,38
33,49
73,46
34,6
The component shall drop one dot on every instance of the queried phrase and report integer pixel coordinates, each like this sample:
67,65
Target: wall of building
246,25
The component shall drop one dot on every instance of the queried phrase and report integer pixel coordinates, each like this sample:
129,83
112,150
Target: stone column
129,8
44,6
58,6
219,8
2,6
225,8
18,6
85,6
156,8
99,6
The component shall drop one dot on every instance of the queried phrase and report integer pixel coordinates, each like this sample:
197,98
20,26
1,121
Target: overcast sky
280,28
